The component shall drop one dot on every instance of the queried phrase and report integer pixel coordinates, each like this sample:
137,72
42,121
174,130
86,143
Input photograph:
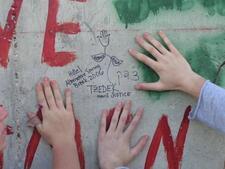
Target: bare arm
58,125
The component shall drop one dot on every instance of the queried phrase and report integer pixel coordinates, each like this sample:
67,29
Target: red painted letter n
50,56
174,151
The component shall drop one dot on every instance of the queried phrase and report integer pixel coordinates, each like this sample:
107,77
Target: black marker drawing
104,39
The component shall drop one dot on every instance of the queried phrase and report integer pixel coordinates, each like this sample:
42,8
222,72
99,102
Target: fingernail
159,32
119,104
46,79
146,34
68,90
137,87
104,111
133,51
146,136
138,38
141,109
128,102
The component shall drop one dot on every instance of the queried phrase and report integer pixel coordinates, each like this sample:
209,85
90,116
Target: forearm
210,108
65,156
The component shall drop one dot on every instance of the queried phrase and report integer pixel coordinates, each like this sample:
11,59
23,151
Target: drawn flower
104,39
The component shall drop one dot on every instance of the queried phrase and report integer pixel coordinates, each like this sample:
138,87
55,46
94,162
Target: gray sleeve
210,108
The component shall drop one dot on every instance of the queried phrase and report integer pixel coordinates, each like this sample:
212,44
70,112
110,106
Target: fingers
69,105
41,96
134,123
139,146
140,40
144,59
157,86
102,130
57,94
123,116
155,43
3,114
33,119
167,42
48,93
115,117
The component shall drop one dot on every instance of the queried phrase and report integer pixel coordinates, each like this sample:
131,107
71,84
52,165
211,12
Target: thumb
34,121
156,86
139,146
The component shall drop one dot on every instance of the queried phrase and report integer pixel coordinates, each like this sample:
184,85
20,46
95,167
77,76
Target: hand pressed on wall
174,71
58,124
114,144
58,120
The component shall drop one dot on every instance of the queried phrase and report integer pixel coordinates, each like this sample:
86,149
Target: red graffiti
33,145
173,150
110,115
7,33
35,139
9,131
49,55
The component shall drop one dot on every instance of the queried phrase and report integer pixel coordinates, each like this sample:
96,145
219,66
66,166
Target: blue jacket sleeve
210,108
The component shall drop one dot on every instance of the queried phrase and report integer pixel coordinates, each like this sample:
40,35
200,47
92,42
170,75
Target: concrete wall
30,53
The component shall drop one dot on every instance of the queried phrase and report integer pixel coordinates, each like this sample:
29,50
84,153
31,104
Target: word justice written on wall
173,148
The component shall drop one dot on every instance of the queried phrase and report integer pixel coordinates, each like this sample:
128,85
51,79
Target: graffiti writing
49,54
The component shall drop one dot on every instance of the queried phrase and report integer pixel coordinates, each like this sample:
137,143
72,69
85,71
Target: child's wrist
110,166
193,84
64,142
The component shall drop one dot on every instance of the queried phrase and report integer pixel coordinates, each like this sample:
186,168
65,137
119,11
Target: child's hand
174,71
58,125
114,145
3,116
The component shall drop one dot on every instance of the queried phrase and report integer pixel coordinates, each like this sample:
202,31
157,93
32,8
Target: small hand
58,125
174,71
114,145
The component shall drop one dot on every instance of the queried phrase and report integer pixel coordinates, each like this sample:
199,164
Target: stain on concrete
136,11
